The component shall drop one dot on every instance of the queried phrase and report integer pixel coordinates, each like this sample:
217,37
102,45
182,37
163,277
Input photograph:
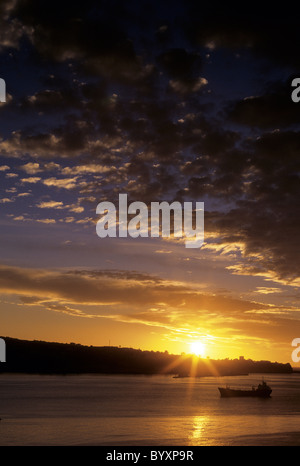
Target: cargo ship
262,391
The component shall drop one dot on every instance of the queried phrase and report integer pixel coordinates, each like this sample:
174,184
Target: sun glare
197,348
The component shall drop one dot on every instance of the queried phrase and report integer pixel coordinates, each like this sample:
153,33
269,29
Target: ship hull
231,393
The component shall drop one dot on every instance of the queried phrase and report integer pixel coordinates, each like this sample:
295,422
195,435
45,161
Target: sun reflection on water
198,435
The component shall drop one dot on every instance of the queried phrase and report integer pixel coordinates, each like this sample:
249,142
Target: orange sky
203,299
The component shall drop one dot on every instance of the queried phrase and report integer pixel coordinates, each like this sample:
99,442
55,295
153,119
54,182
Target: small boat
262,391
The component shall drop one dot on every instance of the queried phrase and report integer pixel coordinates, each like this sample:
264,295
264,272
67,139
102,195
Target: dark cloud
183,70
141,99
180,64
268,33
114,287
90,34
11,28
268,234
64,142
271,110
50,100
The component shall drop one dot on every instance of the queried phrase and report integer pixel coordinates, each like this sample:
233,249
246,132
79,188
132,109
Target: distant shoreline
40,357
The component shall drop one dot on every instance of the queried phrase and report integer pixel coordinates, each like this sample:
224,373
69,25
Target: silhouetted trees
61,358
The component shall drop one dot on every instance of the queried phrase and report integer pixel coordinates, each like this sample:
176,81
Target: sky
163,101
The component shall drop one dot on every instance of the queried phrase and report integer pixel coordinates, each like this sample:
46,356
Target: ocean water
115,410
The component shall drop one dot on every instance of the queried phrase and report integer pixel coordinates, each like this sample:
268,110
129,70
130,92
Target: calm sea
146,410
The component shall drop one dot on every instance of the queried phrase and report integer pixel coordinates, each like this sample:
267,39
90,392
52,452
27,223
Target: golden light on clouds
147,311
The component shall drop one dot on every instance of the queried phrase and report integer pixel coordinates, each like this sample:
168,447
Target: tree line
42,357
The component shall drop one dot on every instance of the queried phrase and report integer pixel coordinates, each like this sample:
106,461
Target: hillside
42,357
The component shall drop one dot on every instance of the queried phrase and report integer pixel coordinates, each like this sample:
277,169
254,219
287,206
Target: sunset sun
197,348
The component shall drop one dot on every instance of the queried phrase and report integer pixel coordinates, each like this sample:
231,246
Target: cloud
76,209
180,64
267,290
50,205
272,109
122,289
11,29
175,308
58,205
187,86
31,168
183,68
51,100
124,107
31,179
24,194
64,142
260,232
257,34
85,169
46,220
64,183
98,43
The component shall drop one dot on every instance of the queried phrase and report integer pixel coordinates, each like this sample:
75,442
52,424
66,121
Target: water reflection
201,425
